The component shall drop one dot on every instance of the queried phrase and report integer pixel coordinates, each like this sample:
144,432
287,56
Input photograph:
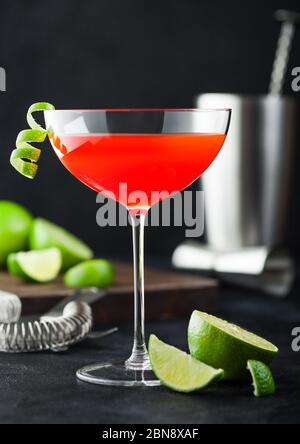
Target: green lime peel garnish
25,157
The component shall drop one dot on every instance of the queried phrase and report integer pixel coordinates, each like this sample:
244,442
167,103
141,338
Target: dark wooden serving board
168,295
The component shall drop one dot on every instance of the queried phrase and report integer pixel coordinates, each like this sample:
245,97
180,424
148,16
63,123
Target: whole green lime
15,225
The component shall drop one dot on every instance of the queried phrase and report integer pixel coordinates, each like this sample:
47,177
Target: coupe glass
144,152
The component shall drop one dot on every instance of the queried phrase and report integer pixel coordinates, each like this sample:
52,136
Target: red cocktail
147,163
151,152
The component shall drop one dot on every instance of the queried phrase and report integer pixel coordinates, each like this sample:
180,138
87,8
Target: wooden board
168,295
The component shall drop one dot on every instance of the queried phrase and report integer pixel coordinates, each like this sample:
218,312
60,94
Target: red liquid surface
145,163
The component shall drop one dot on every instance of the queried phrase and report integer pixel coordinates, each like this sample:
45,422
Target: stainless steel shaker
248,187
247,192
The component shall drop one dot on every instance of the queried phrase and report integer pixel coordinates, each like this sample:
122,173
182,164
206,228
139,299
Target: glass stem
139,359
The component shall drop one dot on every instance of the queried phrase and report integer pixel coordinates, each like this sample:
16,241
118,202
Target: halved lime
224,345
15,224
179,371
262,377
38,266
45,234
93,273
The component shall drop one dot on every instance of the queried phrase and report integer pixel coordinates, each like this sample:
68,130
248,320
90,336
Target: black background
122,53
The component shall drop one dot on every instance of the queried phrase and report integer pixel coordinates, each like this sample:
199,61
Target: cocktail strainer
47,333
68,322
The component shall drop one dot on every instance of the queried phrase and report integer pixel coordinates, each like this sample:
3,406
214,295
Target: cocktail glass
153,153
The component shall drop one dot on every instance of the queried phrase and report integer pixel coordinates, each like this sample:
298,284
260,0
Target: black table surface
42,388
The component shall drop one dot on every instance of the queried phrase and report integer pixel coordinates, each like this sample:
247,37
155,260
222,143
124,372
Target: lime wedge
262,377
94,273
25,157
45,234
224,345
179,371
38,266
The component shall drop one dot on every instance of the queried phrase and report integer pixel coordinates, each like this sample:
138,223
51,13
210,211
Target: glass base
116,373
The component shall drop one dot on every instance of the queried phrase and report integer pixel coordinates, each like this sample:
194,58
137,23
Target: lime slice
94,273
262,377
38,266
179,371
25,157
227,346
15,224
45,234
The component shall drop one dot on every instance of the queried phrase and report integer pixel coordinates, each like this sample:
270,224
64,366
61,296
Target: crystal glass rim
138,121
128,110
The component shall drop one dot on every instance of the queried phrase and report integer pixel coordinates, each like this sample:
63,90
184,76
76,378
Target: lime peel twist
25,157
